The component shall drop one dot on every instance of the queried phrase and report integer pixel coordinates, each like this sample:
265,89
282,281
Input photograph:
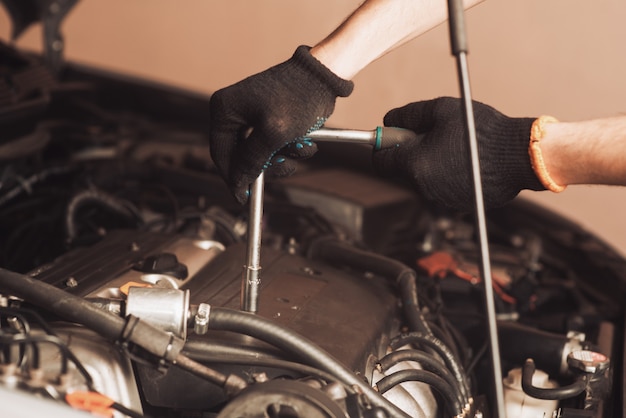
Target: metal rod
481,222
251,280
458,45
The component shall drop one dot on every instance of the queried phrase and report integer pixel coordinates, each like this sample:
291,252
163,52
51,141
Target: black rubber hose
207,348
440,348
555,394
340,253
444,337
197,369
216,352
458,340
273,363
520,342
62,303
291,342
91,196
423,376
232,384
428,363
407,282
112,327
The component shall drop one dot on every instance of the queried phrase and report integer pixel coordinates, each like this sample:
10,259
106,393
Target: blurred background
564,58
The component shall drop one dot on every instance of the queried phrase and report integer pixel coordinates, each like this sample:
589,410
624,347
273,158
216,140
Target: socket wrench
379,138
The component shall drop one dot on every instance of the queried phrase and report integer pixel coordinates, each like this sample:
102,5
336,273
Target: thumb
423,116
417,116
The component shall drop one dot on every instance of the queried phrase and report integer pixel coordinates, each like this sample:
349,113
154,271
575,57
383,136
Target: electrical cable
481,352
98,404
127,411
46,328
37,339
26,184
26,331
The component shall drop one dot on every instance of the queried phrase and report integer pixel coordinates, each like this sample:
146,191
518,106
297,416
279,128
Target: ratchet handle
380,138
389,137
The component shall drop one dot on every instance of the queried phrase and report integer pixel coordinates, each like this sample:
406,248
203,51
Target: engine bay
123,254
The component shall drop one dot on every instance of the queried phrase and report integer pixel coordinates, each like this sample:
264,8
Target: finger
222,144
241,194
250,156
420,117
255,153
300,149
280,166
385,162
224,132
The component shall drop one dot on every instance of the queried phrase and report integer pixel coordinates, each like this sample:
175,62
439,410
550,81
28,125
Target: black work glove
276,107
439,165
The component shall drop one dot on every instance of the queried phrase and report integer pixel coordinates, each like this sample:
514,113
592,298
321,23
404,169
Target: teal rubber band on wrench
379,138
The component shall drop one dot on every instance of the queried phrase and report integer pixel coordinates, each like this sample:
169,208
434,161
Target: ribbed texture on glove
276,107
439,165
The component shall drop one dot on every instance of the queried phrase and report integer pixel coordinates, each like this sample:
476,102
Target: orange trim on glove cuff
536,158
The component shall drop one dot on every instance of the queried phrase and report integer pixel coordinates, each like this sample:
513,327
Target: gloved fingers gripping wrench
379,138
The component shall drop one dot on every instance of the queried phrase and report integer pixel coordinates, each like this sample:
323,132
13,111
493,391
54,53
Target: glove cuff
536,157
337,85
518,166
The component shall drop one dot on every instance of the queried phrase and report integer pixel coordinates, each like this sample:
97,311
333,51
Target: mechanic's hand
439,165
258,123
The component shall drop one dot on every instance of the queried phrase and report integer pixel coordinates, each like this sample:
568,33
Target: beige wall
527,57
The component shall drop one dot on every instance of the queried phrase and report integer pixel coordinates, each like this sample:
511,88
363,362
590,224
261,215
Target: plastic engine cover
350,316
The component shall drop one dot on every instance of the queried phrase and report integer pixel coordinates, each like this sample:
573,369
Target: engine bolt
71,282
260,377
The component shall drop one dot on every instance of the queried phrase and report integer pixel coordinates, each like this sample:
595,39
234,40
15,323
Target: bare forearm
375,28
588,152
